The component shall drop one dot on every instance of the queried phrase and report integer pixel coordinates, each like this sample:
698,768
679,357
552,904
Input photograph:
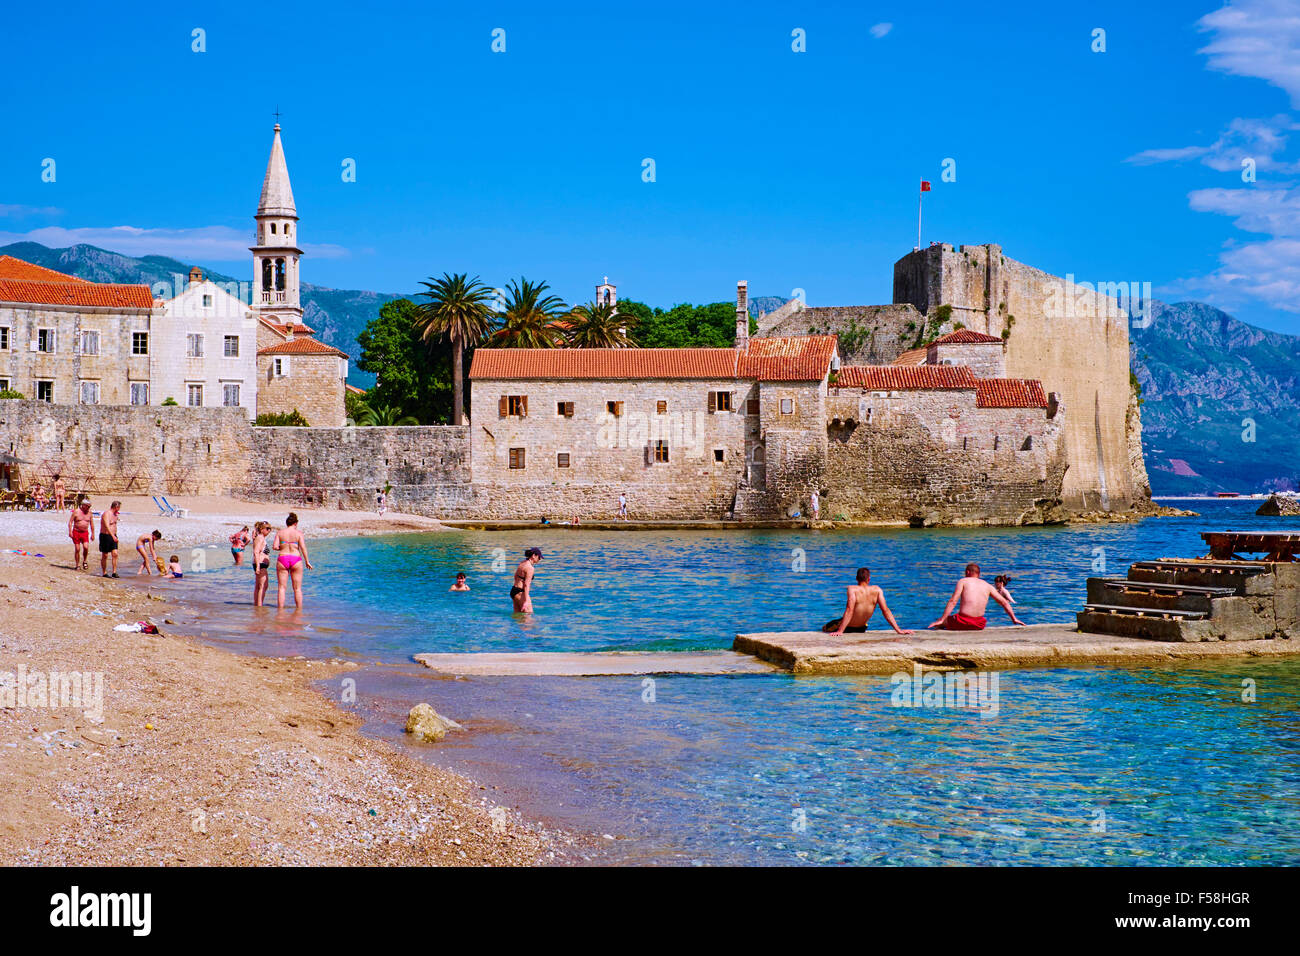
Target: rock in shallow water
425,723
1279,505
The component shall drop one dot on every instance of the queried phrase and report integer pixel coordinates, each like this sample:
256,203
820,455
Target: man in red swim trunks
81,526
973,593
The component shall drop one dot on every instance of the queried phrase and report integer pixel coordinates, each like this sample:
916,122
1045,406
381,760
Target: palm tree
529,317
594,326
458,309
386,415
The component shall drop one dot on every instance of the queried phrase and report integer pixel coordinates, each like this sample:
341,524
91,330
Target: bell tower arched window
266,275
279,275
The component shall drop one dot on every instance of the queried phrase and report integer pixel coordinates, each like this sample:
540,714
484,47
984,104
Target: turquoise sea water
1145,765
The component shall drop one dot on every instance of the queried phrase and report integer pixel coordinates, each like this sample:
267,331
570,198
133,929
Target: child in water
461,584
174,567
1000,585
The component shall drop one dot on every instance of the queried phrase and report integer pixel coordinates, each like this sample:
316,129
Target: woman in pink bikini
293,555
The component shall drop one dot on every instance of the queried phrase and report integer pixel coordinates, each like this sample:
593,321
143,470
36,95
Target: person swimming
461,584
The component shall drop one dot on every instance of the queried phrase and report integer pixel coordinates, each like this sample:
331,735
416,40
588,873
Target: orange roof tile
86,294
11,268
284,328
965,337
788,358
911,357
916,377
1010,393
301,346
602,363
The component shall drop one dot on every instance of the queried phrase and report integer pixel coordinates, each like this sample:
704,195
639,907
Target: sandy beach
199,756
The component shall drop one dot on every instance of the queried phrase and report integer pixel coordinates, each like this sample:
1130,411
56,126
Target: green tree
385,415
593,326
529,318
411,376
457,310
281,419
684,326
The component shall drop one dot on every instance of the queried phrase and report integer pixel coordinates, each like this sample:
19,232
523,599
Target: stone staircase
1197,600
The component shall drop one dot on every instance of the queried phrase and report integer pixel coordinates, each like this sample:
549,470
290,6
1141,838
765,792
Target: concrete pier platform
995,648
595,664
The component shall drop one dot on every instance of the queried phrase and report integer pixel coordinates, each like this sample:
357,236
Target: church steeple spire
275,257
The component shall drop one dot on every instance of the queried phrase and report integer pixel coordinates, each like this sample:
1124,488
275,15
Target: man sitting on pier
861,603
973,592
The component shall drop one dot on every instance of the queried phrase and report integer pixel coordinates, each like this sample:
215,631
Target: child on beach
461,584
238,541
261,563
1000,585
144,546
174,567
381,501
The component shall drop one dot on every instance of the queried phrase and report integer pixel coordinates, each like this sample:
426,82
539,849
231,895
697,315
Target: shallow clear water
1130,766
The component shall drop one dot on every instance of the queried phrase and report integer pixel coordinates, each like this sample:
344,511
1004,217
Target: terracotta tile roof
11,268
86,294
911,357
788,358
906,377
565,364
353,390
301,346
1010,393
965,337
285,329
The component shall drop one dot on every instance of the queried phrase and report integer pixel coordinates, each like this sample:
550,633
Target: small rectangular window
231,346
751,407
280,367
720,402
719,454
194,345
661,450
45,340
614,408
4,384
661,408
562,460
516,458
4,338
514,405
45,391
90,393
207,301
139,343
89,342
139,393
230,396
787,406
194,396
564,409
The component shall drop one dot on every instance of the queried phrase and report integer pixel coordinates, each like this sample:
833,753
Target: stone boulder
425,723
1280,506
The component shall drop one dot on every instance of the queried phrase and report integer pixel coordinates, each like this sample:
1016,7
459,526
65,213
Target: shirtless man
973,593
144,546
108,538
291,544
81,526
59,491
862,600
522,591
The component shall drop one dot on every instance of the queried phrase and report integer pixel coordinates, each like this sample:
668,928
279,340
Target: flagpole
919,193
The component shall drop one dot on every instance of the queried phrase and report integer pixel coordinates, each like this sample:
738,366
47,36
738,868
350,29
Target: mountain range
1220,398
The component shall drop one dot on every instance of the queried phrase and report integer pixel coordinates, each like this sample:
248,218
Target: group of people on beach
964,611
289,564
81,529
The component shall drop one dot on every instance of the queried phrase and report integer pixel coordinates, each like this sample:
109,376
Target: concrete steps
1195,600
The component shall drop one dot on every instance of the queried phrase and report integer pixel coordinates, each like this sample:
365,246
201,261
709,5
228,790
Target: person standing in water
238,542
521,593
261,563
293,557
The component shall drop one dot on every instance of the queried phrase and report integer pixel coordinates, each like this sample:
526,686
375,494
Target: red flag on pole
925,186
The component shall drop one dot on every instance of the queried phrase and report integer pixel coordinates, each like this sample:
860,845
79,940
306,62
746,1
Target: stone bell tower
276,255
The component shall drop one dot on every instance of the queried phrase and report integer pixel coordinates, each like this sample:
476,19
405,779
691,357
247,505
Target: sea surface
1147,765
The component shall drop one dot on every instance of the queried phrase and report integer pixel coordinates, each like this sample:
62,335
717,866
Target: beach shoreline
200,755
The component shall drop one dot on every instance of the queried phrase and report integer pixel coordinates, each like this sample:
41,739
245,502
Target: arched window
286,229
266,275
279,275
273,229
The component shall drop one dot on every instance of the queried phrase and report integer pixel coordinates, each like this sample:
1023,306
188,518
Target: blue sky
789,169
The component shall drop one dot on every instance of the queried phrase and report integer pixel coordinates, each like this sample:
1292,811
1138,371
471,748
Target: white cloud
880,29
1258,38
1266,271
1272,211
1258,139
18,211
207,243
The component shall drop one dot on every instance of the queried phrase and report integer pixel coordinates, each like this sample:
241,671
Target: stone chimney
742,314
196,275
